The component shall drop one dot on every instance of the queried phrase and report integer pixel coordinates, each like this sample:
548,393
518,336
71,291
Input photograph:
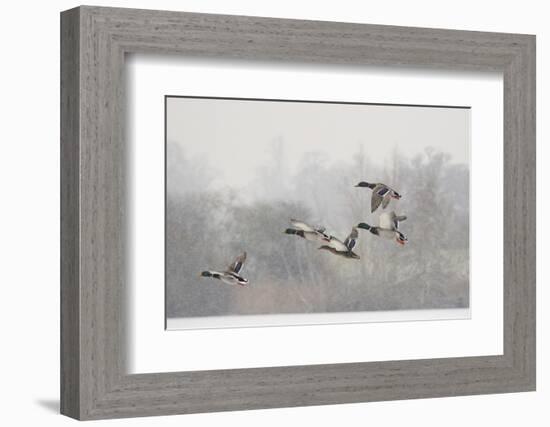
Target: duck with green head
230,276
345,248
388,227
307,232
381,194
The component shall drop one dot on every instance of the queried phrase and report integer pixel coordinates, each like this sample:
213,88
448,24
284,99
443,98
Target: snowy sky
235,137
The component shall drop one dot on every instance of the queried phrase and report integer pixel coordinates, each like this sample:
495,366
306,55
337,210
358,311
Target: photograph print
295,207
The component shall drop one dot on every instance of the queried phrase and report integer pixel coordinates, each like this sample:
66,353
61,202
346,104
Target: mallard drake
381,194
231,275
307,232
345,248
388,227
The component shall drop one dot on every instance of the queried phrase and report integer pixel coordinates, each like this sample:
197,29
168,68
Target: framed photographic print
300,163
346,210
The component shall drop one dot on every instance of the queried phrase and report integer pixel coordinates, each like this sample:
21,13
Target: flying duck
388,227
381,194
345,248
231,275
308,232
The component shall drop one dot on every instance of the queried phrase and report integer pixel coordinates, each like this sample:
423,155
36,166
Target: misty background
237,171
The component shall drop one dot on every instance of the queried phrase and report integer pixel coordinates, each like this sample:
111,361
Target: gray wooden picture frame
94,382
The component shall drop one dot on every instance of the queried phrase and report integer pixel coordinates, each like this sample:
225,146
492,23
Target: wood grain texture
94,272
70,292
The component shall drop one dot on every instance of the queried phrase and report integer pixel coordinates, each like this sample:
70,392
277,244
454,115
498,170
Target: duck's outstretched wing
337,244
379,195
237,265
390,221
351,240
322,231
398,219
386,220
375,201
386,201
300,225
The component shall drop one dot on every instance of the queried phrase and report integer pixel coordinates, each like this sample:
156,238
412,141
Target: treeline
207,228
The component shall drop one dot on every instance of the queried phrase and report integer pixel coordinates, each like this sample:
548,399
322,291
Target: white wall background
29,213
